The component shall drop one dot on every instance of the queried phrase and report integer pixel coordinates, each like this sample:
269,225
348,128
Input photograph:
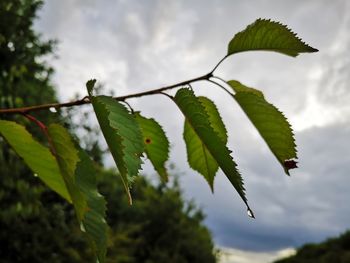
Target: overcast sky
132,46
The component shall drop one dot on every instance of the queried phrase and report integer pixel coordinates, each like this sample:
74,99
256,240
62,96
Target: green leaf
269,121
123,136
269,36
80,177
94,220
67,157
197,117
36,156
199,157
156,144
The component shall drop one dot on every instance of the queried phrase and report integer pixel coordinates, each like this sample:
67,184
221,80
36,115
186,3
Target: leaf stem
86,99
221,79
129,106
167,95
218,64
43,127
219,85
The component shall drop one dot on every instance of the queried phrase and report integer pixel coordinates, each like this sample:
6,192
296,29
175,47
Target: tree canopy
335,250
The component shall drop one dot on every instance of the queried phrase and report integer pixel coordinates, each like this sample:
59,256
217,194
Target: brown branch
86,100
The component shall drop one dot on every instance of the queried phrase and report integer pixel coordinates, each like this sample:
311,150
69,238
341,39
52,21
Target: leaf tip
90,85
312,49
211,185
250,213
289,164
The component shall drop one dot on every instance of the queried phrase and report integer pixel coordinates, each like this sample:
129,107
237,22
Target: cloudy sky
132,46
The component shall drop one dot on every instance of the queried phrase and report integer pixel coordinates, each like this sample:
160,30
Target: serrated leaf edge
130,178
240,182
311,49
211,183
295,152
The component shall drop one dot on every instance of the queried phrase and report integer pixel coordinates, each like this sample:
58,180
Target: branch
219,85
86,100
218,64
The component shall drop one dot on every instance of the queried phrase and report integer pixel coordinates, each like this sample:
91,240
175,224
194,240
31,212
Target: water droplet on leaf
250,213
53,109
29,45
11,46
82,227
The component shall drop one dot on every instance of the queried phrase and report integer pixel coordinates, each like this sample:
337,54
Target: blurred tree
24,75
334,250
159,227
36,224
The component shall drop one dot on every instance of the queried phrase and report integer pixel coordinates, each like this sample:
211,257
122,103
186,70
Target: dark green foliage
159,227
36,224
20,50
42,230
23,81
334,250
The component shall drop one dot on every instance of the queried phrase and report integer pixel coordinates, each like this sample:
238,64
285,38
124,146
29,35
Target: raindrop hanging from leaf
250,213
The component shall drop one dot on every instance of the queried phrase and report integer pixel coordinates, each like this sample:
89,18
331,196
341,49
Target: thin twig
221,79
129,106
217,65
167,95
86,100
221,86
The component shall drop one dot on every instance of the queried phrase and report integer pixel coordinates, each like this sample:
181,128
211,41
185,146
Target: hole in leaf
290,164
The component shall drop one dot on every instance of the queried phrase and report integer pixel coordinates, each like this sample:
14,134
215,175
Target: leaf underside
270,123
94,220
197,117
123,136
36,156
80,177
268,35
156,144
199,157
